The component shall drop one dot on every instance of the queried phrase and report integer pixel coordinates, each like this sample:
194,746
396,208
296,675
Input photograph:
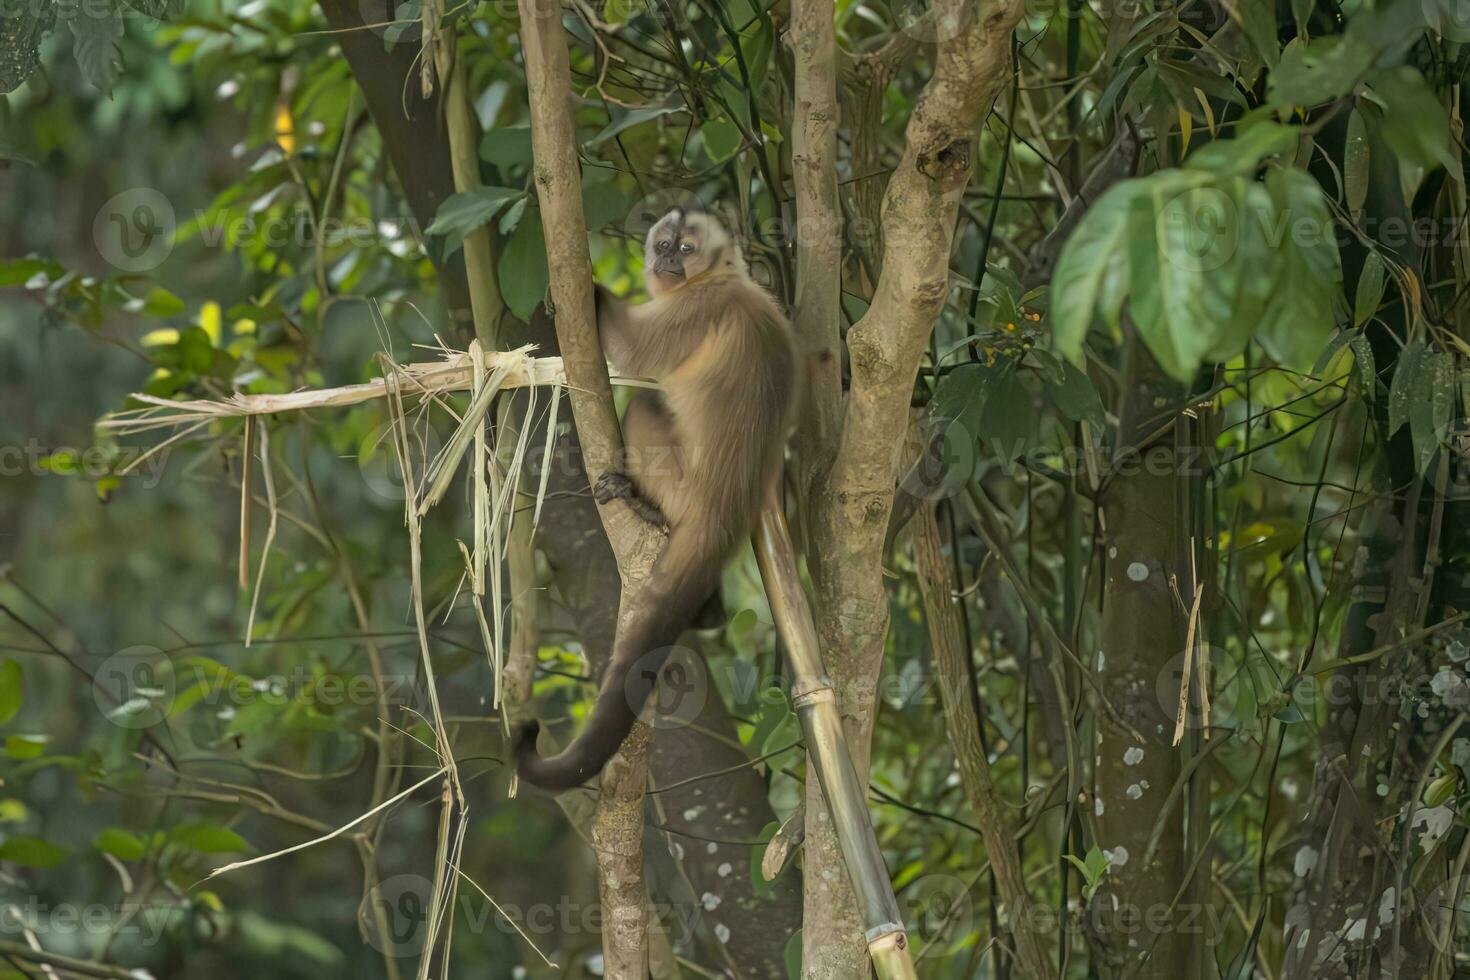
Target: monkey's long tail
682,578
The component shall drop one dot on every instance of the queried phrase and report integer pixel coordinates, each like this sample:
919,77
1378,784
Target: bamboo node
815,696
887,934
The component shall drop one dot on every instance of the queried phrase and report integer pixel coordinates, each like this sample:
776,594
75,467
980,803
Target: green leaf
1076,396
120,844
1245,153
507,148
1371,284
161,303
25,746
208,839
512,217
1414,121
721,138
1430,405
1299,314
623,119
1186,273
792,956
603,203
1319,71
1366,364
21,271
12,689
460,214
738,632
962,393
1441,790
1009,422
1411,363
1091,276
1357,160
32,852
1258,17
523,271
22,29
96,27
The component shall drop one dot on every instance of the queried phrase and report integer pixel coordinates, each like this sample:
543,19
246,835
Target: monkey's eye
663,245
686,248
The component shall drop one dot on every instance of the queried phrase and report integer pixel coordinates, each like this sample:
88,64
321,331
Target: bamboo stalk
454,373
827,751
486,305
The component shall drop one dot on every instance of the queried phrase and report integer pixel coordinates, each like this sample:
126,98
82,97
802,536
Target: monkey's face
682,246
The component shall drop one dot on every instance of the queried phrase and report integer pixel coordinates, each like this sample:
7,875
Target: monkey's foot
649,512
613,485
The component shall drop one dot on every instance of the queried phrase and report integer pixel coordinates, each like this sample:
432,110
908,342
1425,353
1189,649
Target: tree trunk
1132,919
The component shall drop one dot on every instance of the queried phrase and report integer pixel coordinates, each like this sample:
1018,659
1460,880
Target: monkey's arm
614,327
653,338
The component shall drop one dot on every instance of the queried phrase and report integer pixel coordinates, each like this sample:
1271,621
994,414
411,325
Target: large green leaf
1203,262
506,147
1414,122
1371,283
1357,160
721,138
1411,362
96,27
1430,404
1300,314
1320,71
623,119
523,271
460,214
1091,276
1197,260
1244,153
22,27
1076,396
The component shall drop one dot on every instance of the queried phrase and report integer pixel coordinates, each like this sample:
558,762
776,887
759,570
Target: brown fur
698,460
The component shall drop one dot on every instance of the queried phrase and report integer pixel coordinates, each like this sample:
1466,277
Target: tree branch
818,232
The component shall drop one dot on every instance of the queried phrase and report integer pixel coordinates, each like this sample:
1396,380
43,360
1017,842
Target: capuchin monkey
698,461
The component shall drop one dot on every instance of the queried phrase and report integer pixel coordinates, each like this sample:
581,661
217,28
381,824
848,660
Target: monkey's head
684,245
